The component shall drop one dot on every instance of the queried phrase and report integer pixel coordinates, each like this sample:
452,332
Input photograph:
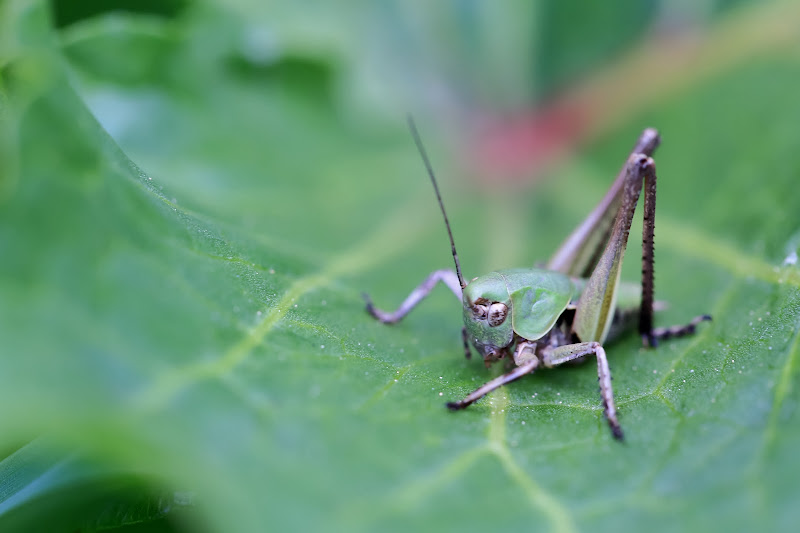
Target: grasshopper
563,313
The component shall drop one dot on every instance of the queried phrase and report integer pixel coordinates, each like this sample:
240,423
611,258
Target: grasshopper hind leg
655,335
626,319
650,335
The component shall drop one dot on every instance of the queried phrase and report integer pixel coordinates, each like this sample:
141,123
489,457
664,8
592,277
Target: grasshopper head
487,314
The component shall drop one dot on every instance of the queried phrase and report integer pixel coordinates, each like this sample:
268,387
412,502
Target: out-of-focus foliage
192,202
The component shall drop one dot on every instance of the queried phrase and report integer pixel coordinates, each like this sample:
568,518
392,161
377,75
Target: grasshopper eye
479,311
497,314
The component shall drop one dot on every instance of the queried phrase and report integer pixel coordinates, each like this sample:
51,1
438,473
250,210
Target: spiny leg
672,332
579,253
563,354
448,277
465,339
651,336
595,310
497,382
648,257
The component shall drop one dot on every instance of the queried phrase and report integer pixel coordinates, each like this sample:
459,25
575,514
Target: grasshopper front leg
524,356
448,277
496,383
563,354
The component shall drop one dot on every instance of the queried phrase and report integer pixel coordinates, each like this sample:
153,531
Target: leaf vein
399,229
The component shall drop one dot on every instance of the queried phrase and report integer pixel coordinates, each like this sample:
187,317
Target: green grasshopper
565,312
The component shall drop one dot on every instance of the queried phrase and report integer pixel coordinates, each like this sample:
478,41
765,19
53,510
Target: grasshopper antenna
428,166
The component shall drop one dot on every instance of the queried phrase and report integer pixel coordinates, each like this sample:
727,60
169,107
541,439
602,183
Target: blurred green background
193,195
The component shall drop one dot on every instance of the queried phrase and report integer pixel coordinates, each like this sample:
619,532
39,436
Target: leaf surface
194,316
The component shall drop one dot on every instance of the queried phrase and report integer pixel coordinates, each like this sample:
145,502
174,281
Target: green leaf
194,317
41,485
